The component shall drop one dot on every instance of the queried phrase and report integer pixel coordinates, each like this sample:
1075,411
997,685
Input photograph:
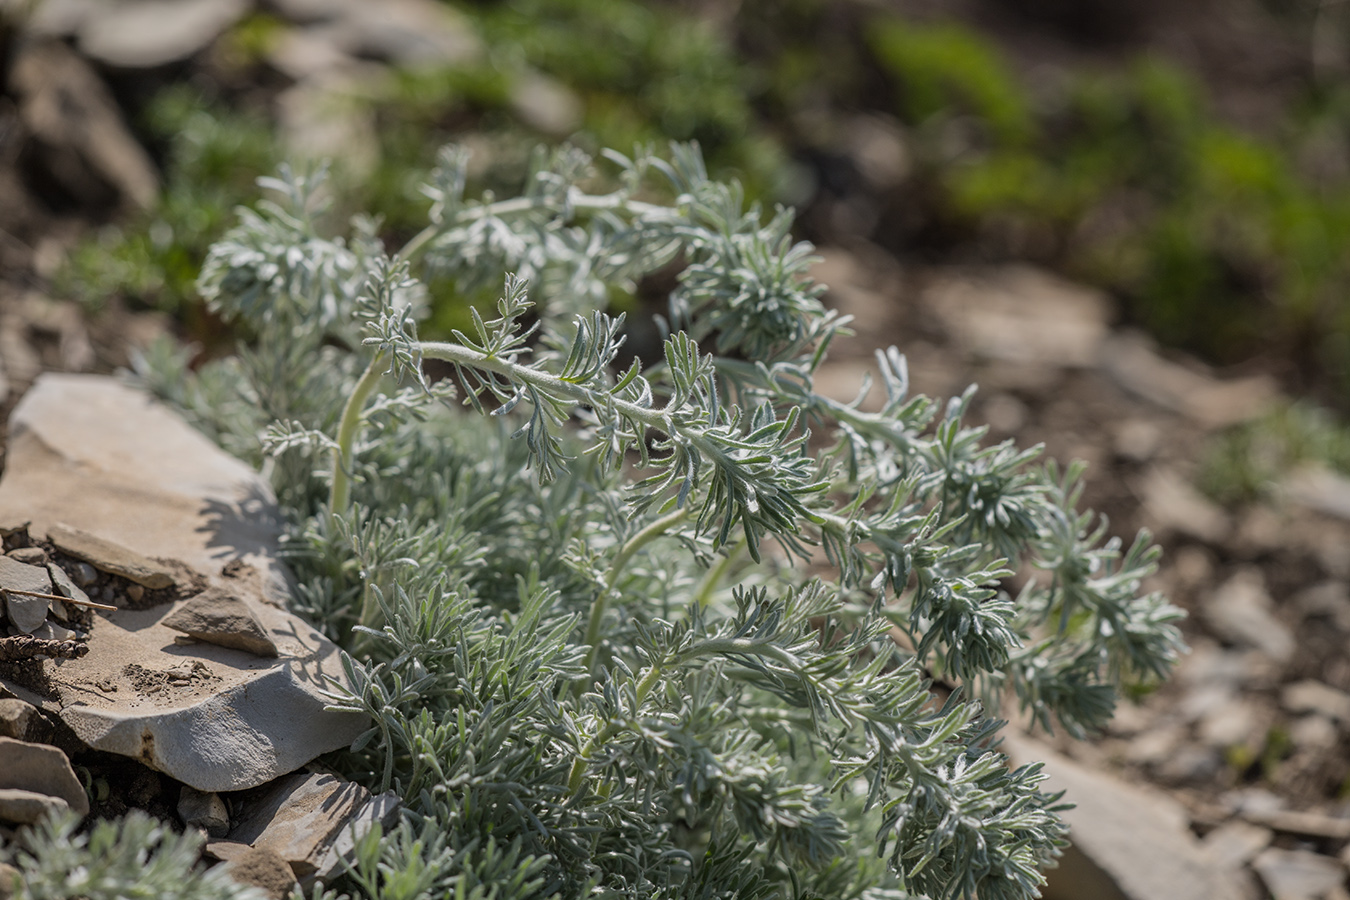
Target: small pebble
33,556
135,592
85,574
107,593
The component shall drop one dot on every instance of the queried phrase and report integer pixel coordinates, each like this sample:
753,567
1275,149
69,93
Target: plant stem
578,770
339,496
714,576
633,545
576,201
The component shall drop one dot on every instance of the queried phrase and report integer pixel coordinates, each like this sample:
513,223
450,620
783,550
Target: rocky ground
1231,779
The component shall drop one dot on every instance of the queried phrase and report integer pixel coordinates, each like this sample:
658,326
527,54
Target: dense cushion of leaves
572,609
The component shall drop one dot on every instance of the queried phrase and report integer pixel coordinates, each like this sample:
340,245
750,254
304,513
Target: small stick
89,603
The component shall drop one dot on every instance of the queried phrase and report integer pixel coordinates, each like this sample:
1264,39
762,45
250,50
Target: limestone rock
1240,611
26,613
1234,843
219,617
379,810
1126,842
1131,360
77,130
28,807
299,816
15,718
64,587
41,769
403,32
1176,506
1298,874
1310,696
110,556
29,556
192,501
262,868
1319,489
146,33
205,810
546,104
1022,314
107,460
18,576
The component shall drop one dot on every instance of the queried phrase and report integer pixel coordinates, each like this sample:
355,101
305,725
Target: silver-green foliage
590,666
132,858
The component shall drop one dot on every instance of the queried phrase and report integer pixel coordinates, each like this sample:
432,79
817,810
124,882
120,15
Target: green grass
1217,240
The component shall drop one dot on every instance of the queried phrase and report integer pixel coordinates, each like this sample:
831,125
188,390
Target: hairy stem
340,494
633,545
578,770
708,586
576,201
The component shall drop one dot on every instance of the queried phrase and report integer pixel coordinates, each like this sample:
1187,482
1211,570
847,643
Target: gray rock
215,718
1298,874
77,131
42,769
1315,733
50,631
1319,489
15,718
1175,506
17,576
1310,696
219,617
1233,723
379,810
1021,314
205,810
1235,843
262,868
31,556
301,53
331,115
28,807
299,817
26,614
64,587
1328,600
1131,359
85,574
1240,611
140,34
110,556
404,32
1115,828
546,104
62,18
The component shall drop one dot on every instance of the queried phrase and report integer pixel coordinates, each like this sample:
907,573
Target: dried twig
25,646
89,603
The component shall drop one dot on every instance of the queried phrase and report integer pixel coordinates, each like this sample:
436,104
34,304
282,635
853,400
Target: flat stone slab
105,459
308,819
219,617
1126,842
42,770
110,556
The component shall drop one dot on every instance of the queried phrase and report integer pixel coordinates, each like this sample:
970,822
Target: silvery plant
677,627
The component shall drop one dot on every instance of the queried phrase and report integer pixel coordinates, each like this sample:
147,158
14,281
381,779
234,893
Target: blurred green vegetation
1217,240
644,74
1244,463
1222,242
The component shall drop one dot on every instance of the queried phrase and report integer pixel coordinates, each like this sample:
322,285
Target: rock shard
103,459
219,617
